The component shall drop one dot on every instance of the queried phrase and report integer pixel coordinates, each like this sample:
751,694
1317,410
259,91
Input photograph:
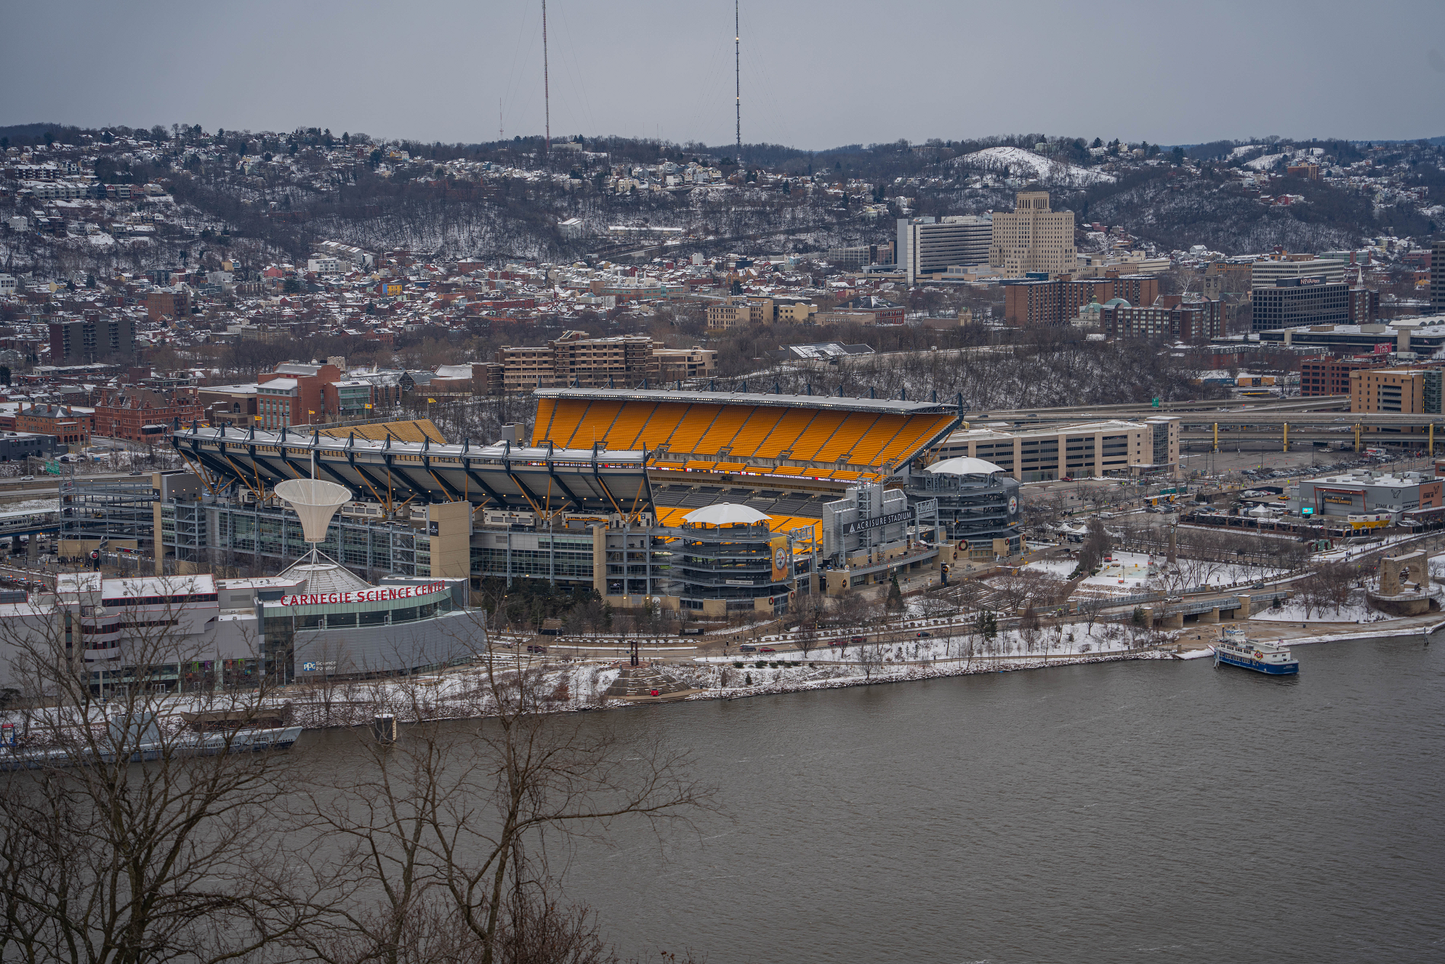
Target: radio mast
738,81
546,87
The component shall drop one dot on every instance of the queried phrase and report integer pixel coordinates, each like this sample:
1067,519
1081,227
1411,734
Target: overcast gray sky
814,75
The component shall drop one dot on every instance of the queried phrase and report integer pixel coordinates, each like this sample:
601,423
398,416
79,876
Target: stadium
704,501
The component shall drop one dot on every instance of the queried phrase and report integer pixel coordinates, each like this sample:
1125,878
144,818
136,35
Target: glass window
376,618
403,615
308,622
340,620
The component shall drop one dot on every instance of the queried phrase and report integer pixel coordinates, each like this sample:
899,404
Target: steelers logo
780,559
1013,504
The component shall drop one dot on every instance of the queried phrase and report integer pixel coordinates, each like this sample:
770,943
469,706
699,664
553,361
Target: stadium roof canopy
543,479
837,403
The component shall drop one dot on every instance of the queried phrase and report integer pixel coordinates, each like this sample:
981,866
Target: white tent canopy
725,514
963,465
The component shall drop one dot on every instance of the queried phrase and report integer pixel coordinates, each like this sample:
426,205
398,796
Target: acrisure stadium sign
892,518
380,594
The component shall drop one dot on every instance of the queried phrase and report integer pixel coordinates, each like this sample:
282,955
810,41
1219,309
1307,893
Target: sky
814,75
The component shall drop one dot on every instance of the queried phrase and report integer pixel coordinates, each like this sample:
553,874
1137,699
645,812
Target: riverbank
580,685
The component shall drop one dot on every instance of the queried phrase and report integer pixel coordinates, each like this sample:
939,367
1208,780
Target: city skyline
811,78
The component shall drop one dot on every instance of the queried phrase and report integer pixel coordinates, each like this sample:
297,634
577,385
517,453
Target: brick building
294,394
1053,304
139,415
168,303
69,425
1196,321
1330,376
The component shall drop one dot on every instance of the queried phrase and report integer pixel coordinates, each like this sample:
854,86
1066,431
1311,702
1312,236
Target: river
1136,811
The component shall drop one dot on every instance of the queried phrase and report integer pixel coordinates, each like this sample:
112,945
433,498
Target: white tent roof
725,514
963,465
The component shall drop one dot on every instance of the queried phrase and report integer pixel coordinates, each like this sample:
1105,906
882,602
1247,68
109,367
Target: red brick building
139,415
69,426
1331,376
168,303
294,394
1053,304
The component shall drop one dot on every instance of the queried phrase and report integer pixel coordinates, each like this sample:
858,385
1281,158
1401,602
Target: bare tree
450,830
104,861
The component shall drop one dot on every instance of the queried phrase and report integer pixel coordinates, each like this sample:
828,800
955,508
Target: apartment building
1298,302
929,245
1088,450
736,312
1437,277
173,302
1330,376
681,364
619,361
83,341
1032,238
1196,321
1409,391
1053,304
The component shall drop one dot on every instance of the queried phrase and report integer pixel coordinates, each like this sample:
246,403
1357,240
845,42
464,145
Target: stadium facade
607,494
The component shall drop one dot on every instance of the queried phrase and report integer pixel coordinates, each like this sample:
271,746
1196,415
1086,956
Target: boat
1236,649
146,743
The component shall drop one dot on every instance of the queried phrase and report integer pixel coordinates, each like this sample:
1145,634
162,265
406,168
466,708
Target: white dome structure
963,465
725,514
315,502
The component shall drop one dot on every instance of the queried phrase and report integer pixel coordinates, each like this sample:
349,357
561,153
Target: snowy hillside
1022,163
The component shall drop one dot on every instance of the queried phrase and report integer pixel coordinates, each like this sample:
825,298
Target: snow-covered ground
1024,163
1132,572
1264,163
1293,611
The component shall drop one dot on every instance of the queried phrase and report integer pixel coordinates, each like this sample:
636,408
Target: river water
1139,811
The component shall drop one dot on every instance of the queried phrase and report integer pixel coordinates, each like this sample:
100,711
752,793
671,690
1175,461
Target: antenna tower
546,87
738,81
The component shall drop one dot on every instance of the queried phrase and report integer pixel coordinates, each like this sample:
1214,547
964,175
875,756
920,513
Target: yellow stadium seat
786,433
592,424
662,425
755,430
630,422
846,439
723,429
693,425
871,446
819,432
542,427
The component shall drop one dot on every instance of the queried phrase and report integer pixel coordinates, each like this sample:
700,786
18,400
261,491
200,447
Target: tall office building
1264,274
1033,238
1437,277
926,245
1293,302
